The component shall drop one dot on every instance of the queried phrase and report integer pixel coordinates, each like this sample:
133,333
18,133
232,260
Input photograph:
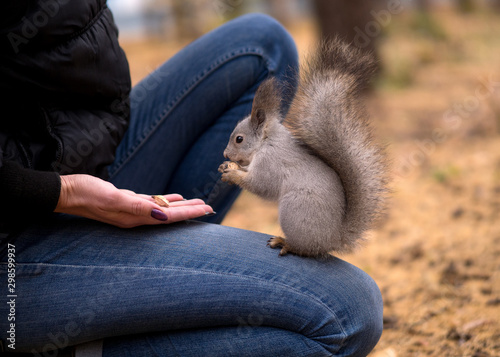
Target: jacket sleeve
24,190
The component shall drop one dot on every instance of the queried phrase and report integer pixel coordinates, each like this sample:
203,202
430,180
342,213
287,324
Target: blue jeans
190,288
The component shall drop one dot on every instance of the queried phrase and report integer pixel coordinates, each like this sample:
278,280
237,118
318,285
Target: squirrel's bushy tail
328,116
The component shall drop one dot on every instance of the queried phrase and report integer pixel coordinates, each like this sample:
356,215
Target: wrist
64,196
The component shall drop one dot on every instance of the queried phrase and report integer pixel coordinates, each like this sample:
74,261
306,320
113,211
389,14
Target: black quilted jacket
64,86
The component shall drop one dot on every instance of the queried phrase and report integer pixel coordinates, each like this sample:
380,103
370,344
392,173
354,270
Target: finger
127,220
192,202
146,197
172,214
138,205
136,195
182,213
170,197
173,197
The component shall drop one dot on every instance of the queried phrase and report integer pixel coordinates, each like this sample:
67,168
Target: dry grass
436,257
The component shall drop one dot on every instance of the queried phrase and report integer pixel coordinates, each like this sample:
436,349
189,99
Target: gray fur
321,164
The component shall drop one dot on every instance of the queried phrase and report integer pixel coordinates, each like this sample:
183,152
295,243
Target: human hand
90,197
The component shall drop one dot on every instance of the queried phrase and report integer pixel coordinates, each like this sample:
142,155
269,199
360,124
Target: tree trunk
422,5
465,6
496,5
352,20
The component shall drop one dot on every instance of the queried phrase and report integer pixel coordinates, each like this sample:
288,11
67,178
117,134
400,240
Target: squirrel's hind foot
278,242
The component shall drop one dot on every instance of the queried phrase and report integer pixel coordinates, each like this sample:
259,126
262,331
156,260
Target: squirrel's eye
239,139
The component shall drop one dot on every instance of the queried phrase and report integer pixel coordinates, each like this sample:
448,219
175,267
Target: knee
267,27
278,51
344,305
365,318
276,41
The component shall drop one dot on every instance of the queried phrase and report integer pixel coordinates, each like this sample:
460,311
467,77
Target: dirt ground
436,255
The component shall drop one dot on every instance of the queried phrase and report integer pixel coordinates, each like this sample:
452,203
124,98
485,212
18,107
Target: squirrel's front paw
228,165
232,177
231,172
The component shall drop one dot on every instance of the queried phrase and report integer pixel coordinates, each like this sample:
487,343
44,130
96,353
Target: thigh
248,339
84,281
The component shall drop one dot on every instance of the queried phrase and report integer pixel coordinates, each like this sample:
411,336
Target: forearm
24,189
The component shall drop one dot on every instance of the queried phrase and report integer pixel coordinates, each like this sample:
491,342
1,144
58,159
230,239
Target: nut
232,165
161,201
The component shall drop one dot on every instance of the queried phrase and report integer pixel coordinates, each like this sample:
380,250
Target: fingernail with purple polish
159,215
208,214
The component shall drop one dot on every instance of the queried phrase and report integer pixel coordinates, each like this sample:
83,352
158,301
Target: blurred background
435,105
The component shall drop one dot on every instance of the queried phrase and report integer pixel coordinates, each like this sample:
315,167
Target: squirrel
319,162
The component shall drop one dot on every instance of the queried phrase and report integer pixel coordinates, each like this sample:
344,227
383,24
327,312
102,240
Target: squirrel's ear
258,118
267,102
